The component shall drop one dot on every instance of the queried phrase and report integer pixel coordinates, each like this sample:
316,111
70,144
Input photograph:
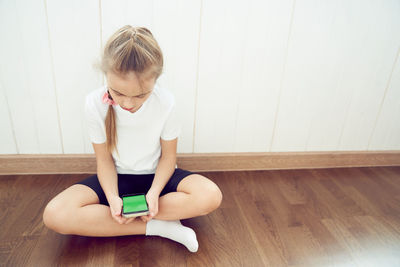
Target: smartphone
134,205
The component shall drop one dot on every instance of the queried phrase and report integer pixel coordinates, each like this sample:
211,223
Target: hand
116,210
152,200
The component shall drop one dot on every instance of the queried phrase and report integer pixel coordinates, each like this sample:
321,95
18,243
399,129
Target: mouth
128,109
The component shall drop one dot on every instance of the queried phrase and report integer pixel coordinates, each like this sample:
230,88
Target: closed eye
137,96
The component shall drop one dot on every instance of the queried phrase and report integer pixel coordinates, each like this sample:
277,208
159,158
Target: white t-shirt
138,133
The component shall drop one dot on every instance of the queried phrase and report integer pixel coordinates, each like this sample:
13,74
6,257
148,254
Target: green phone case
134,205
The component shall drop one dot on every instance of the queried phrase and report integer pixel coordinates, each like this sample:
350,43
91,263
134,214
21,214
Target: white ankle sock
173,230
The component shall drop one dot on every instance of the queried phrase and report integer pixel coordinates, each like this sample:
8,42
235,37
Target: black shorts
135,183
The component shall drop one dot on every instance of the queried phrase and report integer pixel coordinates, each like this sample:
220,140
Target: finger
121,219
116,218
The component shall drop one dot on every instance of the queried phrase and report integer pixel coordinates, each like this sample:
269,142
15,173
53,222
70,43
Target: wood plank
318,217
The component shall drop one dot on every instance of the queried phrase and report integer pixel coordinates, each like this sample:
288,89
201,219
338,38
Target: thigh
198,184
77,195
92,183
176,178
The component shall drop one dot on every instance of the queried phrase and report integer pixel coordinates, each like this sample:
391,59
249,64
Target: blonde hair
129,49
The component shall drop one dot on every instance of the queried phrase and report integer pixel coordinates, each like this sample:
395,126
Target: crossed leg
76,210
196,196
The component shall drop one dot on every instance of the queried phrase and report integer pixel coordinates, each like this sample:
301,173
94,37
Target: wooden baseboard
205,162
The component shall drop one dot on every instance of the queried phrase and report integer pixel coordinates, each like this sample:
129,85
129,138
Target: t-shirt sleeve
94,125
172,126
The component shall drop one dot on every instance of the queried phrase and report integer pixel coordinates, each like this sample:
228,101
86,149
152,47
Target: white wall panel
222,37
117,13
40,80
266,35
179,40
375,29
248,76
337,66
17,80
74,28
7,136
311,106
387,131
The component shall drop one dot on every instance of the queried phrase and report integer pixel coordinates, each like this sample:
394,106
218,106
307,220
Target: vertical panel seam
25,74
282,75
101,38
244,46
53,75
9,116
197,78
383,98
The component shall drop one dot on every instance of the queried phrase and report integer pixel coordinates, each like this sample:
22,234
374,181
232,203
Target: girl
132,123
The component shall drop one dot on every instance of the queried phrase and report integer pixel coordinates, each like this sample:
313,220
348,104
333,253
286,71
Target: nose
129,103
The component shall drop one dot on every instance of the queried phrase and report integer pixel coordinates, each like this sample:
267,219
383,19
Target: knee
55,218
213,199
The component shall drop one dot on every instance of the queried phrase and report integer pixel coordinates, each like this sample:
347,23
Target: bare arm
165,169
166,165
106,171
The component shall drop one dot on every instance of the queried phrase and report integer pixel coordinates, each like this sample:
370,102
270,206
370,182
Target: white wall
249,76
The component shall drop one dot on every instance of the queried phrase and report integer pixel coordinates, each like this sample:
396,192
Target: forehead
129,84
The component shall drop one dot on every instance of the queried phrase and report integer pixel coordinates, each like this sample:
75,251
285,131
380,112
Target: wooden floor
320,217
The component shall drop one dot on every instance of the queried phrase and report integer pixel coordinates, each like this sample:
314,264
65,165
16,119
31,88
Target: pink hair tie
107,99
